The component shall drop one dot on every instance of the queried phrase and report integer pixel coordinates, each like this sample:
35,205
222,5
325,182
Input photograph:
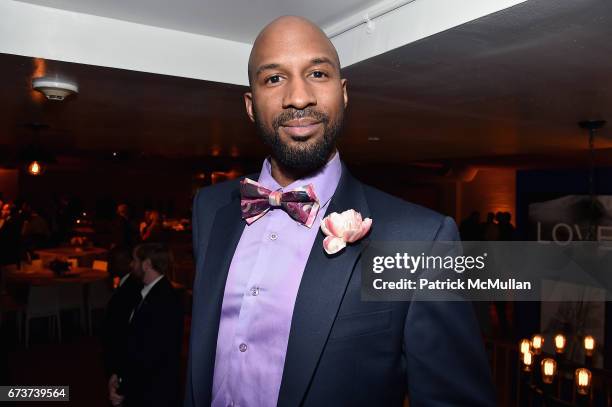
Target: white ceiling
236,20
211,39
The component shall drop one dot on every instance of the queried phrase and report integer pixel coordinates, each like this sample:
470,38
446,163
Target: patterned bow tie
256,200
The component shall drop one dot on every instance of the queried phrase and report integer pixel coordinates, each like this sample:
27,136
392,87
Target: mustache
294,114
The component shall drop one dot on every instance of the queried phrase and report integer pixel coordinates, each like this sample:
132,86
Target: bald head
288,33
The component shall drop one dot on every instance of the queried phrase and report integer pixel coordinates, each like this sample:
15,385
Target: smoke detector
55,88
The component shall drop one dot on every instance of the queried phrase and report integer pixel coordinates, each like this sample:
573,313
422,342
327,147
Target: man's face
6,211
122,210
136,266
297,97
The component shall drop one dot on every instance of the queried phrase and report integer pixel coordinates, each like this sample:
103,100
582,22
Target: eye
319,74
273,79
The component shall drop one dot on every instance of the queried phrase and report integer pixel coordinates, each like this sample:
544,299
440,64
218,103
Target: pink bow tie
256,200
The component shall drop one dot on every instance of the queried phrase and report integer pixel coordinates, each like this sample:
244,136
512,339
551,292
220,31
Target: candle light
527,361
560,343
583,381
589,345
536,342
524,346
35,168
549,369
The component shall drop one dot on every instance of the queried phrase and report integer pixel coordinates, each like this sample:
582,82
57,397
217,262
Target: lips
301,128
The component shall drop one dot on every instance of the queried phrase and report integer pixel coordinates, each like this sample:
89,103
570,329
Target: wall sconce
527,361
524,346
35,168
560,342
589,345
536,342
582,379
549,369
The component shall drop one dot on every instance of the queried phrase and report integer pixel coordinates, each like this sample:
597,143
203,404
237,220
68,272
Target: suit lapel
223,239
321,291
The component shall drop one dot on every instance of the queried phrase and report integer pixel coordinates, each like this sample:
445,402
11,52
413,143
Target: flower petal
333,244
351,235
324,228
365,227
335,224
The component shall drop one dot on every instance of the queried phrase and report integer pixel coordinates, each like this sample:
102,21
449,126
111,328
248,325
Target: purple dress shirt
260,291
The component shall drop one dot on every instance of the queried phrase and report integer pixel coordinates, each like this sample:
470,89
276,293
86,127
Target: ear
248,103
344,83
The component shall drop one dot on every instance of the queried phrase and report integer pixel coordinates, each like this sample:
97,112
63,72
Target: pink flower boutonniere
343,228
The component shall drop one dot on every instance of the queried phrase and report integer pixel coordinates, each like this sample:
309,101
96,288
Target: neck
286,176
150,277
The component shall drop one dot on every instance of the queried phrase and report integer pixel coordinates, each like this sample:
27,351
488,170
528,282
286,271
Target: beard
308,157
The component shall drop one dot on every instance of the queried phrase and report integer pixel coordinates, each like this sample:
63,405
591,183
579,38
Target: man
10,235
148,372
118,311
155,229
123,237
277,321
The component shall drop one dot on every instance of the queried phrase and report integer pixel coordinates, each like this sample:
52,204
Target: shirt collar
145,290
325,180
124,278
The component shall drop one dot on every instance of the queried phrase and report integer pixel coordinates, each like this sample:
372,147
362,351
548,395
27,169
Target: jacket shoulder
403,220
164,295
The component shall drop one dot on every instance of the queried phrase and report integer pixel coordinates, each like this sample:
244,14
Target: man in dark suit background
276,320
117,318
148,372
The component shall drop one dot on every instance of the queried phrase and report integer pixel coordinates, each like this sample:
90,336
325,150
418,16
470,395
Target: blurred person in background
35,230
148,370
154,232
10,235
123,238
144,224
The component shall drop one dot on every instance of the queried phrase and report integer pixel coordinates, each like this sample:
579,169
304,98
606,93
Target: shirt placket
242,352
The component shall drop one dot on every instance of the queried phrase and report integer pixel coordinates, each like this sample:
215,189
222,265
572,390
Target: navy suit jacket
150,364
343,351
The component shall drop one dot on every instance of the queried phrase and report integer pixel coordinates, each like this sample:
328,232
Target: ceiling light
55,88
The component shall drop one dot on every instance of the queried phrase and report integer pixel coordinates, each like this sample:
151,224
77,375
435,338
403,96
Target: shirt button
242,347
254,291
273,236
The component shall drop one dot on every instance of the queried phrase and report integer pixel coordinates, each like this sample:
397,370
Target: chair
99,295
4,270
9,305
71,298
43,302
100,265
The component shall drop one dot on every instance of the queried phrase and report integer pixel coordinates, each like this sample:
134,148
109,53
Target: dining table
45,276
84,255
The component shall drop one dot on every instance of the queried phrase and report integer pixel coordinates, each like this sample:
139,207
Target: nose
298,95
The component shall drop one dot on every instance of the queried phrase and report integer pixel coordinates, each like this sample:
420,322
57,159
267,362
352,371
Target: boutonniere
343,228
